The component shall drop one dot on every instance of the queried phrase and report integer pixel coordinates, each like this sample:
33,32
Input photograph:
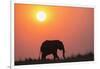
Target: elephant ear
61,46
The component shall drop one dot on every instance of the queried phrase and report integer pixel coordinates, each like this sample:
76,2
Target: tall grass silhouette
78,58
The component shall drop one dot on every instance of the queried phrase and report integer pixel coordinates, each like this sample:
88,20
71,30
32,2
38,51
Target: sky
74,26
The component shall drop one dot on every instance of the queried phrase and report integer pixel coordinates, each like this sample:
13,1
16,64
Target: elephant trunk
63,53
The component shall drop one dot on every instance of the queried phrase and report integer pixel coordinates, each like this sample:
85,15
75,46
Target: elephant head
60,46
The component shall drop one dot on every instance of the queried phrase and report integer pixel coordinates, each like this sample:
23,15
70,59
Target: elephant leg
43,56
55,56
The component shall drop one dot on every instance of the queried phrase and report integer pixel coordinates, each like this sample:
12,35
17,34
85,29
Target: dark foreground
78,58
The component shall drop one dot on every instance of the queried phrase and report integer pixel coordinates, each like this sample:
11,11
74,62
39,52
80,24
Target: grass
78,58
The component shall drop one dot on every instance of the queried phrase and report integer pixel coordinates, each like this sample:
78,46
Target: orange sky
72,25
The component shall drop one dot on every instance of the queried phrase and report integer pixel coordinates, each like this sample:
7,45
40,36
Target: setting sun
41,16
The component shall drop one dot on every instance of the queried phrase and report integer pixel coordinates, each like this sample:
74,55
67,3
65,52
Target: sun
41,16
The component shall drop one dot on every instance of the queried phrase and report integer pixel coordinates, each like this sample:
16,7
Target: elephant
51,47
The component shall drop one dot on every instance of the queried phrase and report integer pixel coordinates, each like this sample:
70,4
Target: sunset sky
71,25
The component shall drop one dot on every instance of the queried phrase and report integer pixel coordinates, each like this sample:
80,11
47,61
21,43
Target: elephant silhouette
51,47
